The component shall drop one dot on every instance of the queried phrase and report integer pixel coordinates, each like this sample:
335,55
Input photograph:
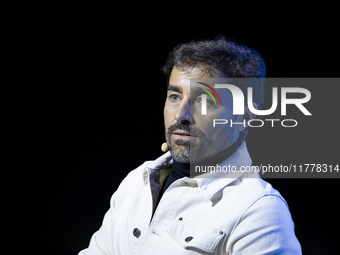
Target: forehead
182,78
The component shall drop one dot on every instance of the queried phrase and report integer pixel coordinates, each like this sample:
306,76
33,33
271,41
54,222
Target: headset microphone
165,147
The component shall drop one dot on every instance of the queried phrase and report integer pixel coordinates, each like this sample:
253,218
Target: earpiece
165,147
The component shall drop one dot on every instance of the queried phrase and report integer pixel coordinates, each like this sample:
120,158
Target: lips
181,133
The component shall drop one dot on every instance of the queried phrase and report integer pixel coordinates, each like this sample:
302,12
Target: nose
183,113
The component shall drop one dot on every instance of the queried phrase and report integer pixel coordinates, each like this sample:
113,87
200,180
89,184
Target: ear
248,115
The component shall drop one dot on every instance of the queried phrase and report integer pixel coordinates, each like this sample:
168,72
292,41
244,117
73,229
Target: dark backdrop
89,98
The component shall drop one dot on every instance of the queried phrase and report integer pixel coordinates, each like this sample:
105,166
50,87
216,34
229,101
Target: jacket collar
211,182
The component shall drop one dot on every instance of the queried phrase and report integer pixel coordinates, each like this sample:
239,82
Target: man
160,208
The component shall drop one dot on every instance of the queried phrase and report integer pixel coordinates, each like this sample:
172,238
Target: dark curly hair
227,57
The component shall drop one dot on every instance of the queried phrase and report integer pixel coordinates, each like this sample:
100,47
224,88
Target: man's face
189,134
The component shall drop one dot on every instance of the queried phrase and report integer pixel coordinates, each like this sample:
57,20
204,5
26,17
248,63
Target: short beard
198,148
180,150
184,151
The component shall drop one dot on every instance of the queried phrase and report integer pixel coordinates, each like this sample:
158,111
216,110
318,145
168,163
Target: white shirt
202,215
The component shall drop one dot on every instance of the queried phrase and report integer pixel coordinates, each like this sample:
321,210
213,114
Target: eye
174,97
208,100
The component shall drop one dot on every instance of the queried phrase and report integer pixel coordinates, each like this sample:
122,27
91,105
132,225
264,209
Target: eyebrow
175,88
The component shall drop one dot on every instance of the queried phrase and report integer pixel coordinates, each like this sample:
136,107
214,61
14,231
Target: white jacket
202,215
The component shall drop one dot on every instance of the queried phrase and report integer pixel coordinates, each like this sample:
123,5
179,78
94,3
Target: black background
89,97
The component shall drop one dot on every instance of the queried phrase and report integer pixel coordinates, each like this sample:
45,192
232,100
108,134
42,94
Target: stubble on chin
186,151
197,149
179,149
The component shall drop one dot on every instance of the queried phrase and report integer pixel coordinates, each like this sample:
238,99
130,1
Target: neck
180,170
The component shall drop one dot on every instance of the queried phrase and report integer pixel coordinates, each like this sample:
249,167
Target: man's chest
184,222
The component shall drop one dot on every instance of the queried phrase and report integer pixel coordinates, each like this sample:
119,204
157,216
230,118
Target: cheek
205,122
169,116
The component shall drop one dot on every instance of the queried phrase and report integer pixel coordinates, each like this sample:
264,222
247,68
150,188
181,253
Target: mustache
187,128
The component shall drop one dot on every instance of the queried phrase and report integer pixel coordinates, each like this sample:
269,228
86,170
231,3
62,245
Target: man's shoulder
136,173
139,174
259,188
251,193
264,201
265,220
